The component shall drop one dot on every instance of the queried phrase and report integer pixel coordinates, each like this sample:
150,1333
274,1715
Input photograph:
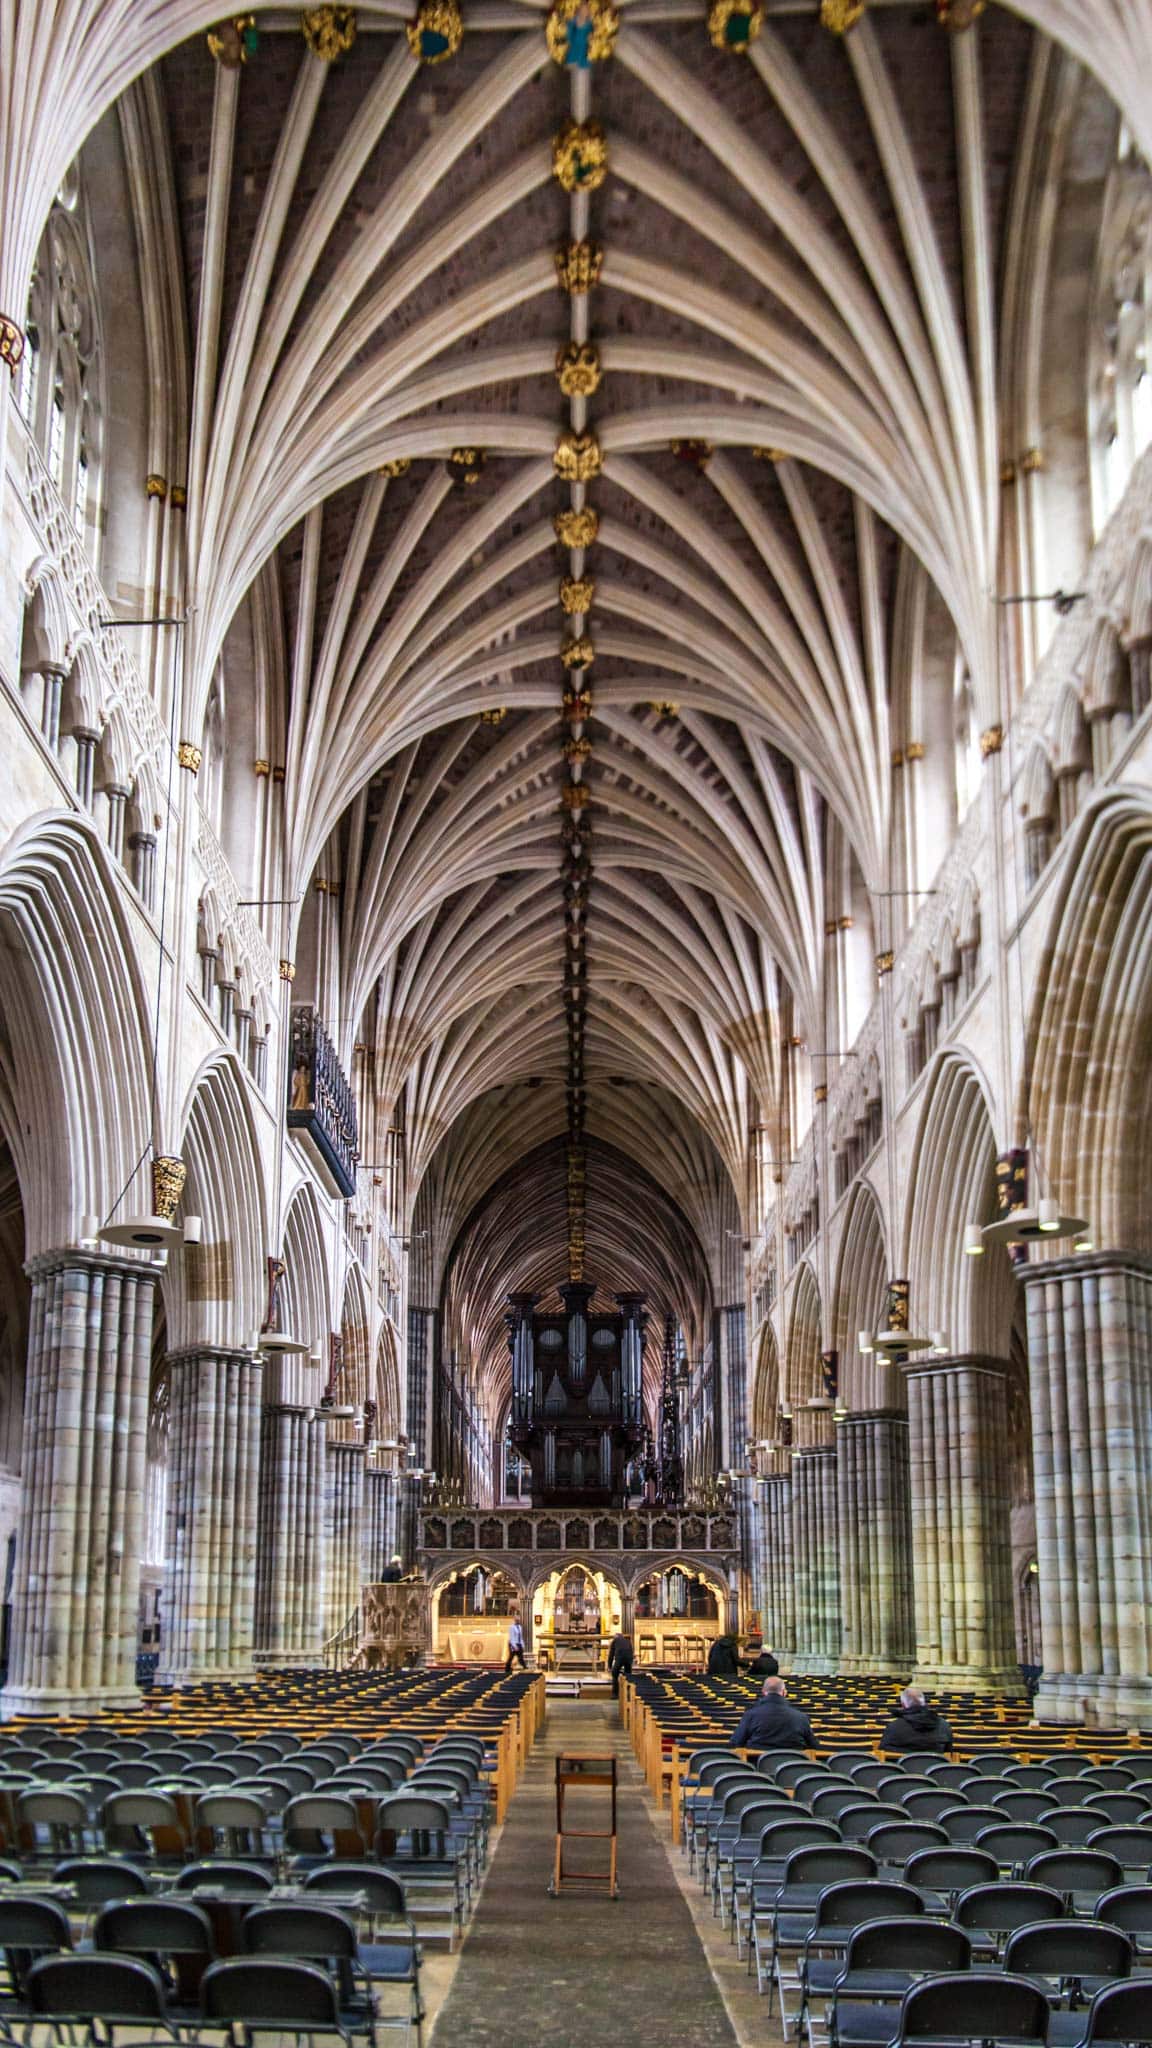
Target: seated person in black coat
916,1726
393,1573
722,1659
761,1664
770,1723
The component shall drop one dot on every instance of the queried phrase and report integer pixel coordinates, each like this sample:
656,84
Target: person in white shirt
515,1645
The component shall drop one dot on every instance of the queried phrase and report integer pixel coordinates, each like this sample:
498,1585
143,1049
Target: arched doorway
678,1612
576,1611
471,1608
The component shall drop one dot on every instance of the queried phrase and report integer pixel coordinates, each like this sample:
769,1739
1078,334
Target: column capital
874,1415
964,1361
219,1354
80,1258
1084,1264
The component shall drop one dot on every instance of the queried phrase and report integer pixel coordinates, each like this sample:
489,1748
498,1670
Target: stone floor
583,1971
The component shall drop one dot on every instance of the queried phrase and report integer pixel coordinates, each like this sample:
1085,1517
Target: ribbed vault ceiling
804,249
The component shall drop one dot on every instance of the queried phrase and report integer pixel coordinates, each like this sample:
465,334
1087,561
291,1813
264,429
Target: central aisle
581,1971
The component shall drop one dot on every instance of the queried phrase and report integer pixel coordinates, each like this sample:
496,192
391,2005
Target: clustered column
213,1481
816,1560
290,1546
875,1540
961,1548
779,1610
344,1517
1090,1372
77,1583
379,1529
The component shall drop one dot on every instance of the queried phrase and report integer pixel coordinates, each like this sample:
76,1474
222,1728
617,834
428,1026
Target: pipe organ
577,1395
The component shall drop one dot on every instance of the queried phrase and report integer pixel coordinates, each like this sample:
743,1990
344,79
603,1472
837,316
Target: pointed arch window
59,392
1120,362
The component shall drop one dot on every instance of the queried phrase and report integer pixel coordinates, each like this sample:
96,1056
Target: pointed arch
213,1293
307,1297
1087,1090
73,1012
766,1386
971,1301
858,1303
803,1381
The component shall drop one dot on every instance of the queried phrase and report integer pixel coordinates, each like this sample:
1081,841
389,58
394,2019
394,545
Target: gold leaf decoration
576,593
957,15
770,454
233,42
577,458
578,653
577,705
734,24
578,369
574,796
12,339
664,707
581,32
838,16
496,716
578,267
697,454
580,156
169,1174
398,466
577,750
437,32
329,31
577,529
465,466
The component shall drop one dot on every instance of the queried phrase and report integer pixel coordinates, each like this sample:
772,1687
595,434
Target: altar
478,1641
571,1650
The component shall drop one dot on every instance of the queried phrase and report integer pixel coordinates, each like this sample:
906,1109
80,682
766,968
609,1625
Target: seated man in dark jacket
761,1664
770,1723
722,1659
916,1726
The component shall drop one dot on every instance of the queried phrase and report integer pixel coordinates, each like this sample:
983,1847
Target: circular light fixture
143,1233
193,1229
974,1240
864,1341
278,1344
899,1340
1030,1226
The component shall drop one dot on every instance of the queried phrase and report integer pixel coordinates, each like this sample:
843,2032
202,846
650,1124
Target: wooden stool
574,1771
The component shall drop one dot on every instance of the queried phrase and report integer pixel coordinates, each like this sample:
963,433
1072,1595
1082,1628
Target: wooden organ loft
577,1396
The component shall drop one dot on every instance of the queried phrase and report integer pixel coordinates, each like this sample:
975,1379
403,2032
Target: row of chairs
246,1859
852,1935
153,1962
691,1711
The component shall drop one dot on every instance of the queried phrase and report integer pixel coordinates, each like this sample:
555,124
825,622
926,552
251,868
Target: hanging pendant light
157,1231
897,1336
1019,1220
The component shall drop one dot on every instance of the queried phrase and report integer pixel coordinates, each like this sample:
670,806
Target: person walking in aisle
515,1644
620,1660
